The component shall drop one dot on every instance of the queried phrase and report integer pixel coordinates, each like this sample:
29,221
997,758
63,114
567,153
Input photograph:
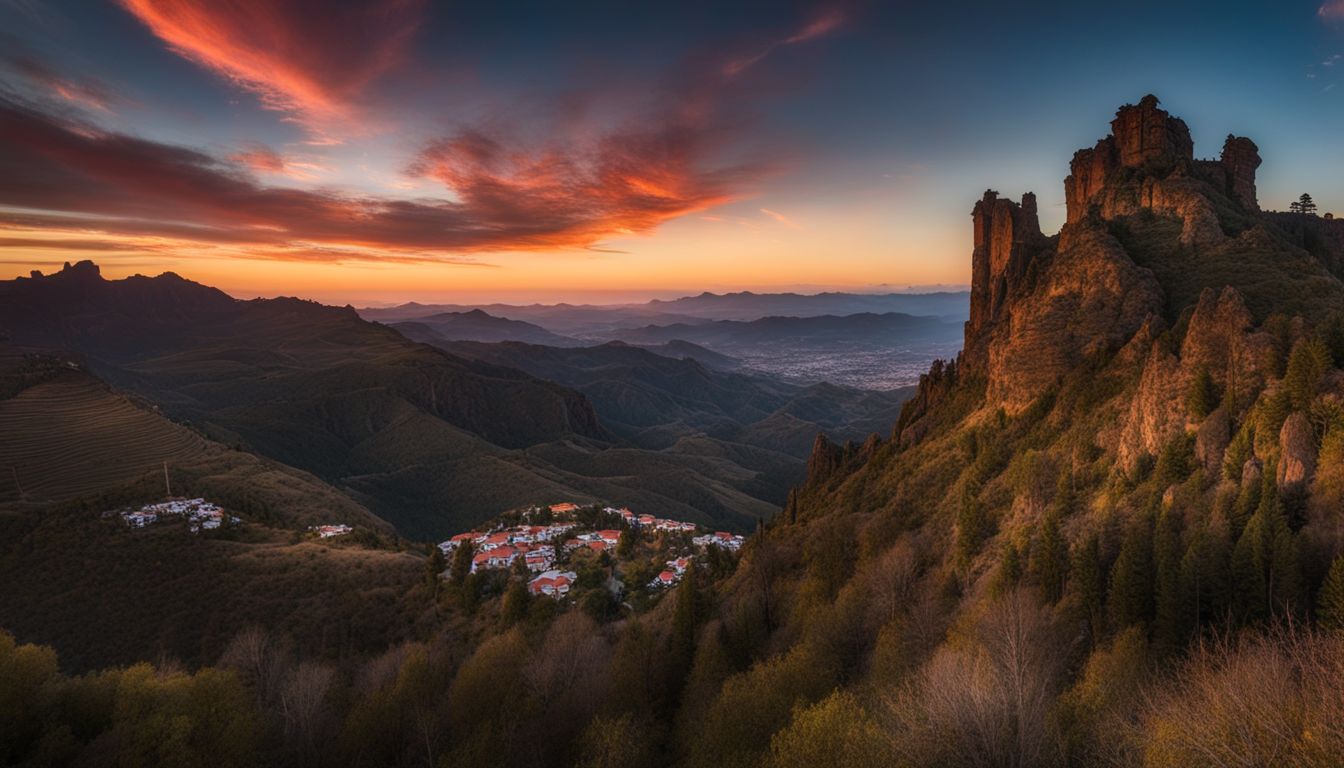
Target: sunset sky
378,152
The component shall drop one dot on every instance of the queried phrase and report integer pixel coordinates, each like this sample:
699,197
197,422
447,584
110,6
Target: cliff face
1040,307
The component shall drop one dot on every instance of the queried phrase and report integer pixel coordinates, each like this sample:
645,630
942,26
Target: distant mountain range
435,438
589,320
477,325
864,348
824,330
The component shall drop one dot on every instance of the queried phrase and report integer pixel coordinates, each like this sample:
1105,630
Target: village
200,514
545,542
544,538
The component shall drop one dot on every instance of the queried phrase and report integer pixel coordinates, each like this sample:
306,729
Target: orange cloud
781,218
1332,9
259,157
74,178
309,57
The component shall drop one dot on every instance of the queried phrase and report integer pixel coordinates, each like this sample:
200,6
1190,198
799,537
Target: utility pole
166,483
15,471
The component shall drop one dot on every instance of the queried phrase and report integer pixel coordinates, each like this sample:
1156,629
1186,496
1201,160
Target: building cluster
552,583
200,514
722,539
540,546
672,574
328,531
501,549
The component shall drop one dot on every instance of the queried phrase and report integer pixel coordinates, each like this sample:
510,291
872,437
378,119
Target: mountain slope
651,399
429,441
1139,446
65,435
476,325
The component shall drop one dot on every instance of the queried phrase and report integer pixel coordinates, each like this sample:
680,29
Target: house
540,559
328,531
565,508
679,565
610,537
552,583
664,579
494,541
139,519
499,557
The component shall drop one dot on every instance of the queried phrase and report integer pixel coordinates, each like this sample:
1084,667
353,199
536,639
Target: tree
1304,205
434,567
1049,559
625,546
462,563
1010,570
1206,578
970,530
1265,563
1203,395
835,731
1307,365
513,609
1330,600
1130,599
1169,616
1086,582
616,742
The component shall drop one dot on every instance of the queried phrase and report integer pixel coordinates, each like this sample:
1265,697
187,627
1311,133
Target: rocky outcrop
1156,413
1087,298
1220,340
1297,454
1147,164
1147,136
1241,157
1007,236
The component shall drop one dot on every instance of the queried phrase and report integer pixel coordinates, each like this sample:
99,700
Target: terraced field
73,436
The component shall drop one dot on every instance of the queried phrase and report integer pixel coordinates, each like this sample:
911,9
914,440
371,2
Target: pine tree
625,545
513,609
1307,366
1203,395
1306,205
1170,622
1330,600
1010,570
1265,564
461,563
970,530
1086,582
434,567
1206,578
1049,560
686,617
1130,599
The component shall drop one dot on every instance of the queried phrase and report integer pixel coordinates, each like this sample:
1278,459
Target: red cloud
626,181
259,157
306,56
84,178
1332,9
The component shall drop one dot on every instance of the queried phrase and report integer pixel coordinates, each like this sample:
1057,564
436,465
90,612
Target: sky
373,153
